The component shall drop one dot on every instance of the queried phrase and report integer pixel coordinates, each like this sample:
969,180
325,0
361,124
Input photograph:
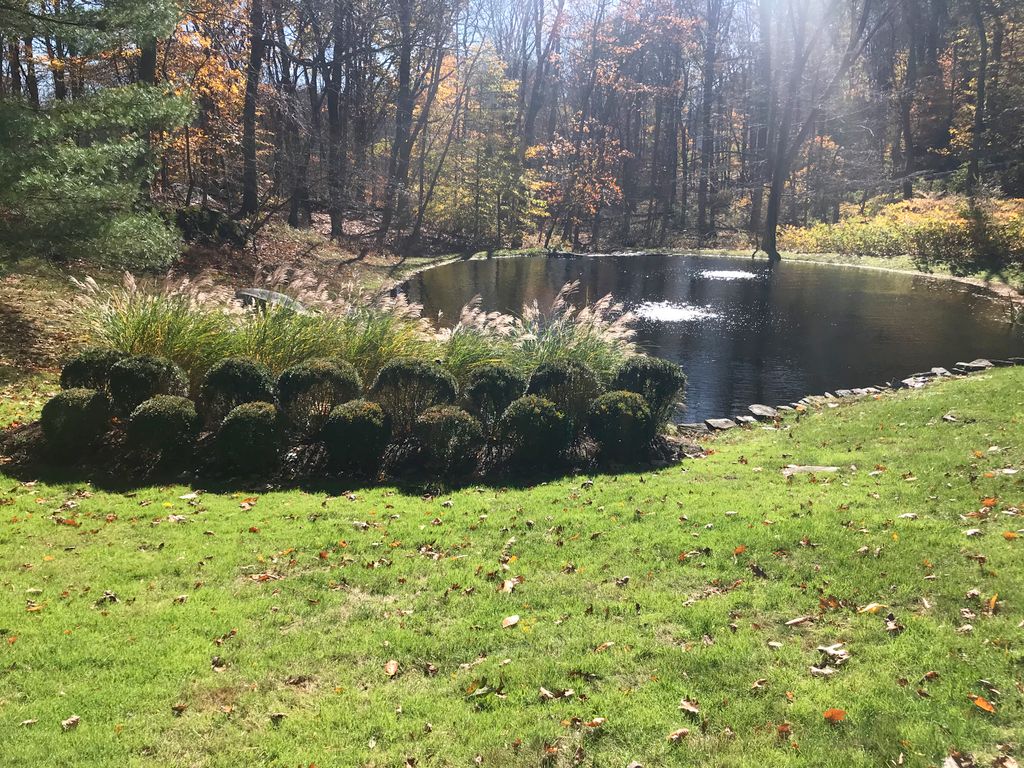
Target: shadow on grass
111,468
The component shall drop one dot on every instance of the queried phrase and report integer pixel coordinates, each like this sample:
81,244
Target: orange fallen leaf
991,501
740,549
391,668
834,715
603,647
982,703
992,602
678,735
1010,535
597,722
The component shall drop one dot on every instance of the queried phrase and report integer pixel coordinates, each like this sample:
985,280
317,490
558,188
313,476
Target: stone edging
759,412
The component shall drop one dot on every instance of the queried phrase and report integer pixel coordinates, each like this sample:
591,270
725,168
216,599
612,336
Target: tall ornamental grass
197,328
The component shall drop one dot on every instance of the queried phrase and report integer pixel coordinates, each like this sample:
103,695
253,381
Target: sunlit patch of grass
637,591
23,394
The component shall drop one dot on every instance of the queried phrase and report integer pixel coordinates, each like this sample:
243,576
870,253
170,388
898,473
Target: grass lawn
365,627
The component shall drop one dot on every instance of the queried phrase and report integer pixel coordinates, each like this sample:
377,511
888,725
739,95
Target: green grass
196,627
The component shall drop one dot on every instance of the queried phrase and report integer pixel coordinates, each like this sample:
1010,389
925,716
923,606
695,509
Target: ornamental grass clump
183,322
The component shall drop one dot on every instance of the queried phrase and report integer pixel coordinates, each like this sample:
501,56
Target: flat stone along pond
746,333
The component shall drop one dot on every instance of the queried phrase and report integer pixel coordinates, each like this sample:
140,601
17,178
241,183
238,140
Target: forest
430,126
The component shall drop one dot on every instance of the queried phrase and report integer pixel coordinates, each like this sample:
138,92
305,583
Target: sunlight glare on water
727,274
672,312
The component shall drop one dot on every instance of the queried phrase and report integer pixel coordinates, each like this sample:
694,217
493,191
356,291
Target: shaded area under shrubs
318,424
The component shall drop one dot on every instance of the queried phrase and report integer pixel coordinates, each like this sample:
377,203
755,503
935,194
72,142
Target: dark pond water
745,333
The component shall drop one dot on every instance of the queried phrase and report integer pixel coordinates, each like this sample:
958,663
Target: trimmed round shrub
406,388
140,377
621,423
163,424
75,419
660,382
356,434
232,382
90,369
570,385
534,431
250,438
308,391
451,437
490,390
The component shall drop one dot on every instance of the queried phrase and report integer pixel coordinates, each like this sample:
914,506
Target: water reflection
762,336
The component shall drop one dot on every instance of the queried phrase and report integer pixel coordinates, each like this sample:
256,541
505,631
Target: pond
746,333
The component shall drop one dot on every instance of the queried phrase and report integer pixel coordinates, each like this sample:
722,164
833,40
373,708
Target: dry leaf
983,703
510,621
603,647
834,715
678,735
71,723
689,707
391,668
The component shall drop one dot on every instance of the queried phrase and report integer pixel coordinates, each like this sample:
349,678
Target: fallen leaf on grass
678,735
689,707
71,723
834,715
871,608
603,647
510,621
799,620
1010,535
982,703
391,668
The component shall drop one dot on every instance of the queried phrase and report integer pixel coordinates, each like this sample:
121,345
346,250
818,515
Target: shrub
570,385
163,424
90,369
660,382
356,434
140,377
205,225
308,391
451,438
534,431
232,382
406,388
249,439
491,389
74,419
621,423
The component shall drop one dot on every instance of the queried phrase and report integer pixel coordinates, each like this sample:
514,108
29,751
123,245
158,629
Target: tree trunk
707,143
250,173
978,137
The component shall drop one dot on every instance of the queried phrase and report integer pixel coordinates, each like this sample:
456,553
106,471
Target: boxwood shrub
165,424
308,391
534,432
406,388
90,368
140,377
74,419
490,390
249,440
230,383
660,382
451,438
570,385
356,434
622,424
